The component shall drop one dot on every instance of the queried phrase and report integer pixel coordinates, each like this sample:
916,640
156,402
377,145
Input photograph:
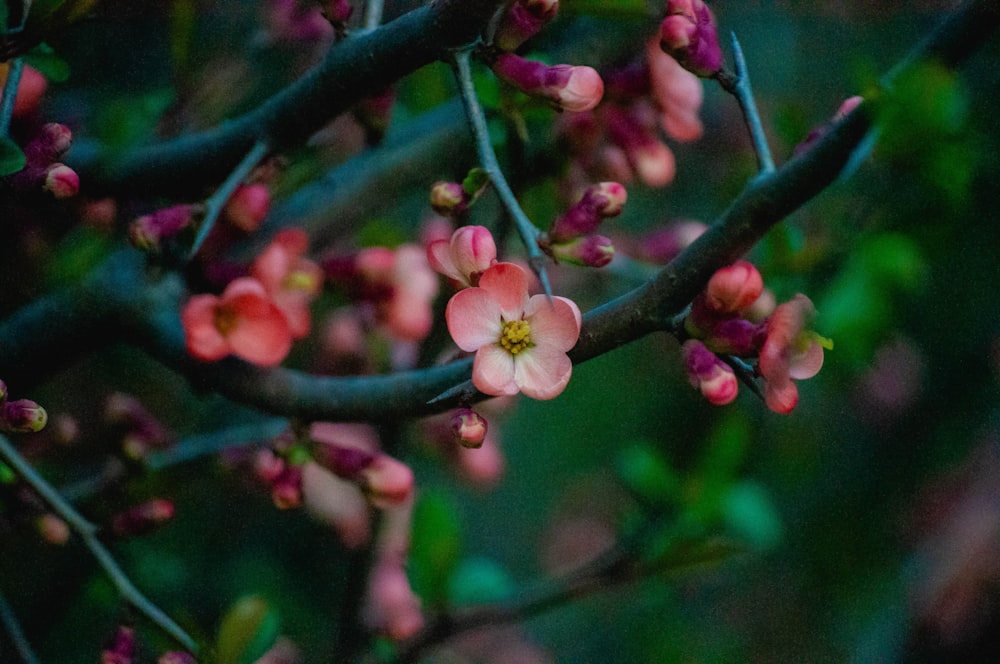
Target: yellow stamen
300,280
225,320
515,336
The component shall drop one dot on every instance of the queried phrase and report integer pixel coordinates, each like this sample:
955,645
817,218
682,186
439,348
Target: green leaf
45,60
474,182
436,544
11,157
644,471
248,630
750,513
479,581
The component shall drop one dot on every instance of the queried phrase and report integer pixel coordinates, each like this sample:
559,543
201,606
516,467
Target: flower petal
781,396
202,338
555,324
807,363
493,371
542,372
507,283
473,318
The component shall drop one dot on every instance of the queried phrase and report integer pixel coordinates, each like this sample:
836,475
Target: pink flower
677,92
790,352
291,280
463,258
407,313
243,321
569,87
708,373
520,341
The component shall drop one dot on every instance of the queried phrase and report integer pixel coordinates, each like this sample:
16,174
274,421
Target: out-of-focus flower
790,352
30,90
523,20
248,206
149,231
243,321
520,341
598,202
291,280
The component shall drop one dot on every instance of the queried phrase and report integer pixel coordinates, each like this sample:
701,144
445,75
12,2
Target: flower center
300,280
515,336
225,320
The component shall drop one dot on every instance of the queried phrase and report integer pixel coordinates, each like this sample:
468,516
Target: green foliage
436,545
648,475
45,60
479,580
11,157
248,630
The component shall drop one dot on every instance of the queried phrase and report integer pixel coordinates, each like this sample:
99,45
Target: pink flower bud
708,373
53,529
463,258
120,648
598,202
51,143
449,199
568,87
286,489
23,416
61,181
523,20
589,251
387,482
248,206
468,427
142,519
688,34
337,11
149,231
176,657
734,288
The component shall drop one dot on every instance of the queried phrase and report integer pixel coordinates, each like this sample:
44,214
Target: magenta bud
149,231
176,657
590,251
468,427
342,461
688,34
248,206
23,416
524,20
338,11
142,519
121,647
387,482
598,202
50,144
286,489
567,87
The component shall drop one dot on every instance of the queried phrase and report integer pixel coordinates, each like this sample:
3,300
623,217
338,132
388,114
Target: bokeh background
865,526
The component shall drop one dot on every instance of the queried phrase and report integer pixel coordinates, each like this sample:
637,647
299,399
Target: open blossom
790,352
520,341
243,321
291,280
463,258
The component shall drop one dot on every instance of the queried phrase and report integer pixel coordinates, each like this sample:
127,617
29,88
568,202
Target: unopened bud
337,11
523,20
734,288
341,460
23,416
688,34
387,482
590,251
50,144
61,181
449,199
286,489
142,519
121,647
567,87
708,373
176,657
53,529
248,206
598,202
149,231
468,427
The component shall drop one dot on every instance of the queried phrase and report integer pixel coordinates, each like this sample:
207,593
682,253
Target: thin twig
739,86
9,95
488,159
88,533
200,445
215,204
17,637
373,14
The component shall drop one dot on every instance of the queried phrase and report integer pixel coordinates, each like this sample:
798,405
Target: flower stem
9,95
738,85
215,204
488,159
88,533
16,634
373,14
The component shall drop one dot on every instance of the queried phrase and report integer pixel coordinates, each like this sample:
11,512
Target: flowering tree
284,285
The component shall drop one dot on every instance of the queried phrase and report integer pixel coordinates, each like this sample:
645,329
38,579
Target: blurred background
864,526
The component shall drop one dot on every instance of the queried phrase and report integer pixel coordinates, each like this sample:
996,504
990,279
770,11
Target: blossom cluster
732,319
257,316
